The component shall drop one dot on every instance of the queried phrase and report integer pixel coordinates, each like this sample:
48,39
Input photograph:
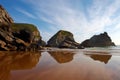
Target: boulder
62,39
101,40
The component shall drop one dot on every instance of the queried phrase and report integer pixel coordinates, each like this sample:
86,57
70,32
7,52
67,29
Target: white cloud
62,15
26,13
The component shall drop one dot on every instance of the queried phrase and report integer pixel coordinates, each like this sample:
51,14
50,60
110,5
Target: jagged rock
2,47
4,17
5,36
101,40
20,44
63,39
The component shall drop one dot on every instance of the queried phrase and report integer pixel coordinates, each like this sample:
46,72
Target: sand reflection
99,56
79,65
16,61
62,57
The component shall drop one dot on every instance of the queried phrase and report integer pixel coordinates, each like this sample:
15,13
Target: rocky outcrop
101,40
8,42
29,34
17,36
26,32
4,17
63,39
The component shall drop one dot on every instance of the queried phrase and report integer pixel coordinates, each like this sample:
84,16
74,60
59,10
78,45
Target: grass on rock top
20,26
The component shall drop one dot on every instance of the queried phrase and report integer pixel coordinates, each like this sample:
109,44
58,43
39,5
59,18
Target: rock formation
101,40
63,39
4,17
17,36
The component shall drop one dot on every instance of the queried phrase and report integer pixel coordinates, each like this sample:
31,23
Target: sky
84,18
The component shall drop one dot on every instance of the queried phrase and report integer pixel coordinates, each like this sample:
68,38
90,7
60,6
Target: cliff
17,36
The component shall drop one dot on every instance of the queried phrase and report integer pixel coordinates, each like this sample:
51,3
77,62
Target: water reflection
16,61
81,65
62,57
102,56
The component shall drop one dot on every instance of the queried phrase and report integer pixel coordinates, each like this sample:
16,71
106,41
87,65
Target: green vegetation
63,32
20,26
16,27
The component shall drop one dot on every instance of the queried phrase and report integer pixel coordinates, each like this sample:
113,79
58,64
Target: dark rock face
17,36
29,34
26,32
63,39
41,43
101,40
25,35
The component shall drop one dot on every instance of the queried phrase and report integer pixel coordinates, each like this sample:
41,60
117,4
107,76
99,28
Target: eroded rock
63,39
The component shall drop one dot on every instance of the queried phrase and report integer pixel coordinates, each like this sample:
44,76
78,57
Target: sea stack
102,40
63,39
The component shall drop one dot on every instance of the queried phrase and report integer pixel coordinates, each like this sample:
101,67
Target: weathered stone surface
5,17
2,47
101,40
68,44
63,39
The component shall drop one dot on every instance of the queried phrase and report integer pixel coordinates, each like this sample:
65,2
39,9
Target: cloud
26,13
82,21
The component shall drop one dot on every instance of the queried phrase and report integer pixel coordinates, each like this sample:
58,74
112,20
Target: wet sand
60,65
